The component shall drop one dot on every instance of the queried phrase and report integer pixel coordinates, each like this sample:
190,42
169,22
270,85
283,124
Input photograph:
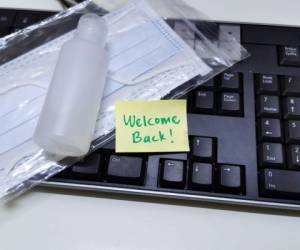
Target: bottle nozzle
92,28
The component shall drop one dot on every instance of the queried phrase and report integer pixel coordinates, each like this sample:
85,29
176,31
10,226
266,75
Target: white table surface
46,219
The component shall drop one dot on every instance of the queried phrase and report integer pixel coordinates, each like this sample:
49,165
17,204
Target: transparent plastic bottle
68,118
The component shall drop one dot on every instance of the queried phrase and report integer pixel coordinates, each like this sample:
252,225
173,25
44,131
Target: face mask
146,61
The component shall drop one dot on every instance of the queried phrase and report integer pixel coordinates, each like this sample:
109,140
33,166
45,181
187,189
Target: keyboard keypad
278,130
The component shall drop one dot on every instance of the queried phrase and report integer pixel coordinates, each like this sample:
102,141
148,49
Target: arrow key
270,130
231,179
293,156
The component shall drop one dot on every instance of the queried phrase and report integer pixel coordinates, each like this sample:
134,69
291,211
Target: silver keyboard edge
120,190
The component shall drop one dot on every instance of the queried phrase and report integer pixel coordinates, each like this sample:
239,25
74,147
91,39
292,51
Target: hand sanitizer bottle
67,122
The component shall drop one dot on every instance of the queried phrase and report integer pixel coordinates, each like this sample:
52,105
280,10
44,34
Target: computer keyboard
244,130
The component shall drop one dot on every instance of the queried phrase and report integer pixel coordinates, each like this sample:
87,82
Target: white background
67,220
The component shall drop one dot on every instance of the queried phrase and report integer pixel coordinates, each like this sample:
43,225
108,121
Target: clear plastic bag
28,57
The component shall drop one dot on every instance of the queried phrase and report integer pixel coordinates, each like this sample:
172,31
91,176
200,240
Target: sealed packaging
147,60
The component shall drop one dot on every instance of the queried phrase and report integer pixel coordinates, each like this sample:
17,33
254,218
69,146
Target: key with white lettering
292,131
267,84
291,108
230,179
230,81
268,106
230,103
270,154
293,156
204,101
290,85
203,148
280,183
270,130
289,56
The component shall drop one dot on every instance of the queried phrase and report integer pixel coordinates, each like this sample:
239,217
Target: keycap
267,84
270,154
268,106
204,101
230,103
280,183
203,149
209,85
269,130
88,169
173,174
230,178
201,176
230,81
293,156
290,85
25,19
125,170
7,17
292,131
291,108
289,56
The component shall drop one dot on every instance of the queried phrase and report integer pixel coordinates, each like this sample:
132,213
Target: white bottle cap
92,28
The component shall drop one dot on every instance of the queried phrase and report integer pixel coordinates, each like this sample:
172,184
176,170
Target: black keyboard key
88,169
204,101
25,19
209,85
126,170
292,131
201,176
289,56
291,108
267,84
290,85
230,178
293,156
173,174
7,18
268,106
230,104
280,183
230,81
203,149
270,130
270,154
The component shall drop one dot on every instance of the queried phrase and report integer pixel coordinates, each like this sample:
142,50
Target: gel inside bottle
68,118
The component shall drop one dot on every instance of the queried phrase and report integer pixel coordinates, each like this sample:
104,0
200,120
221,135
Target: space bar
280,183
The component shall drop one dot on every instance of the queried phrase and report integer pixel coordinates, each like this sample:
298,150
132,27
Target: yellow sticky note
151,126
